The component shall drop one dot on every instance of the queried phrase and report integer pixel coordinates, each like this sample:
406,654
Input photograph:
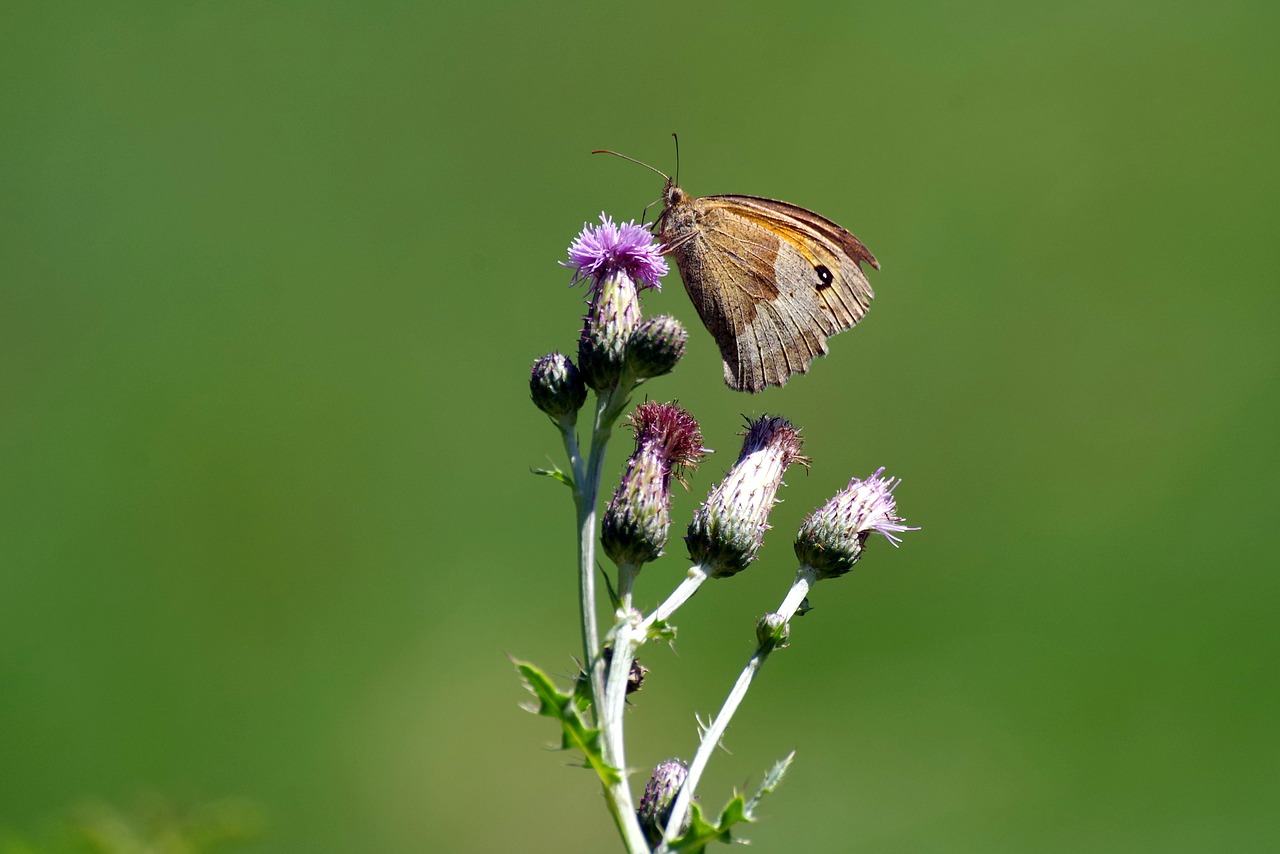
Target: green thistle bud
656,346
556,387
772,631
658,798
637,520
728,529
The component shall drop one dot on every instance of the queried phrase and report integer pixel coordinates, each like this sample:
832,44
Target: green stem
804,581
693,579
609,406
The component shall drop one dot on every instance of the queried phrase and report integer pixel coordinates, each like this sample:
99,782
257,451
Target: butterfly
771,281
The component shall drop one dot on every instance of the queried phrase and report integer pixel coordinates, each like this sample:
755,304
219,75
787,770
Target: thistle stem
694,578
711,739
609,406
804,581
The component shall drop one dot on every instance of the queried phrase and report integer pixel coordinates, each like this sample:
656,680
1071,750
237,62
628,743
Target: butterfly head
673,195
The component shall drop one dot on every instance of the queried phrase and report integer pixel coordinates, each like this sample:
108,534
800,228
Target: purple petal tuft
602,250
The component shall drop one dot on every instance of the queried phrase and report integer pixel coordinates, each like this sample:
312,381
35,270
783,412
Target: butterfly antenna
632,159
677,139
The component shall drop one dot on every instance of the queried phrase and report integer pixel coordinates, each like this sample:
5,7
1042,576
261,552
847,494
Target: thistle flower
727,530
656,346
603,250
658,798
635,525
832,538
556,387
618,260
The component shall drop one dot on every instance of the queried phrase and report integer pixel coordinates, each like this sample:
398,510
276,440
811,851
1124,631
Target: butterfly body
770,280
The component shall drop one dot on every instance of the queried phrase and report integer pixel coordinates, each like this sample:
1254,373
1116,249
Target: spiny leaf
700,832
739,810
575,734
555,474
770,782
661,630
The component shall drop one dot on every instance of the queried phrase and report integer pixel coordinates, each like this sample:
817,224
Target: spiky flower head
658,798
656,346
556,387
635,525
603,250
617,261
832,538
727,530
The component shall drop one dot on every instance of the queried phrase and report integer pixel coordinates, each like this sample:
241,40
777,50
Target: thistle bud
727,530
832,538
557,388
635,676
635,525
656,346
772,630
618,261
658,798
613,315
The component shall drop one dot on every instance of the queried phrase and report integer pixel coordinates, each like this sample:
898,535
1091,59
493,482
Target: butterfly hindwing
771,282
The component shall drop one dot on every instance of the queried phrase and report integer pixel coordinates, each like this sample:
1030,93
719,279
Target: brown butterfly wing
770,280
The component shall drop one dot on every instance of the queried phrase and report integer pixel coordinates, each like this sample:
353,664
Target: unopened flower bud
727,530
637,520
658,798
832,538
635,676
656,346
772,630
556,387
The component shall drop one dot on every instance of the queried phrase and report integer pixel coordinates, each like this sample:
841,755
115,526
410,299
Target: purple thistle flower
832,538
603,250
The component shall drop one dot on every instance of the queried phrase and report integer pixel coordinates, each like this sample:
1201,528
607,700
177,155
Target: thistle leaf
575,734
739,810
555,474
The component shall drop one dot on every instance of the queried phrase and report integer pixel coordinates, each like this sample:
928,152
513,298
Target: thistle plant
618,351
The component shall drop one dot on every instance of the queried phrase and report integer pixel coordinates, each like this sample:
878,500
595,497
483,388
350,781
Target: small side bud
658,798
635,676
556,387
772,630
728,529
656,346
636,523
832,538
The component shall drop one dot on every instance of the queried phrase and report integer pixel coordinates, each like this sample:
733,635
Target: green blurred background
271,278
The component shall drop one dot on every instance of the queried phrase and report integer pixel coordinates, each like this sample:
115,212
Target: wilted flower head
635,525
556,387
658,798
727,530
832,538
603,250
635,676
